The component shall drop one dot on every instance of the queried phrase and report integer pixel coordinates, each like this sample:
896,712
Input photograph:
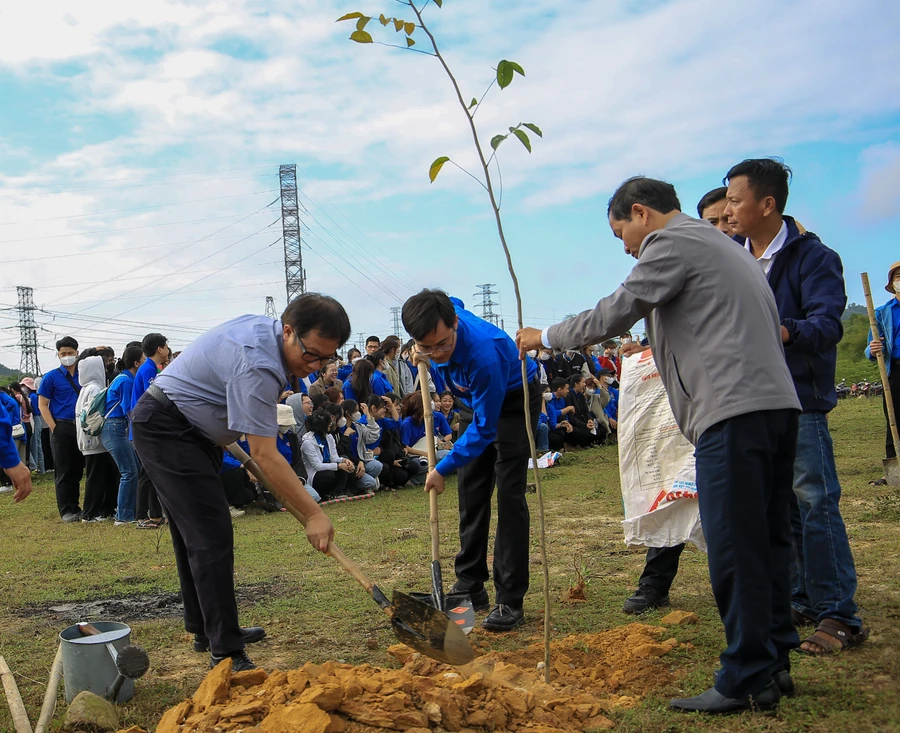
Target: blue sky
140,143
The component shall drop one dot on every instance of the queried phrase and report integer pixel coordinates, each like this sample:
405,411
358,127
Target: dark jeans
822,569
101,485
184,467
329,484
69,465
894,384
47,446
745,468
506,461
661,567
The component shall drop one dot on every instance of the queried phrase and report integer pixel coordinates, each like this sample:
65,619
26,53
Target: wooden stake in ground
891,465
16,707
49,706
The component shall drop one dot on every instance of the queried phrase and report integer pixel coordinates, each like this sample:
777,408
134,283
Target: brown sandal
799,620
832,637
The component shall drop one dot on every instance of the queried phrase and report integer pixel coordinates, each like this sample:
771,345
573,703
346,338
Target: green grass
314,612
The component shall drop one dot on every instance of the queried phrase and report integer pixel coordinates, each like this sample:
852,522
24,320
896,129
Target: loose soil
591,675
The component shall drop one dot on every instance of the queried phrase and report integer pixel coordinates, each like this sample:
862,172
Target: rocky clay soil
591,675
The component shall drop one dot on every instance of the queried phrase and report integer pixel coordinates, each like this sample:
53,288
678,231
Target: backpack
93,416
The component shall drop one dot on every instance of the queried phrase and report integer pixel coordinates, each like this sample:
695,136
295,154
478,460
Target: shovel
891,465
458,606
422,627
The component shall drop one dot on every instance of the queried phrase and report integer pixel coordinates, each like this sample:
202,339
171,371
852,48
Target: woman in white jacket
327,472
101,475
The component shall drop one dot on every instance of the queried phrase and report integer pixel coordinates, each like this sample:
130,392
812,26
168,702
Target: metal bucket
87,662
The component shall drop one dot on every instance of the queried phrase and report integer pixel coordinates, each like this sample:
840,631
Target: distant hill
853,309
7,372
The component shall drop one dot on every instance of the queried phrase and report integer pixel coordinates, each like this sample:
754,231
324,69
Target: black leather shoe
715,703
645,598
240,662
782,679
480,600
504,618
251,635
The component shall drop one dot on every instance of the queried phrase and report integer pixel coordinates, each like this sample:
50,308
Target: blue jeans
115,440
367,480
37,449
542,437
823,576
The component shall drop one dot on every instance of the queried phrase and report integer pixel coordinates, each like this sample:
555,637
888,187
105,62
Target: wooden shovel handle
432,461
882,367
16,707
333,550
88,629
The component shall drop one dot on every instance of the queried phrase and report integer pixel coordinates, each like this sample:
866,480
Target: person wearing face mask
57,396
327,470
582,419
344,371
887,342
379,382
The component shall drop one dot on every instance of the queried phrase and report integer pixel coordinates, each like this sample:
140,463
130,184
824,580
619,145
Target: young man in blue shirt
480,365
155,346
887,341
226,384
56,397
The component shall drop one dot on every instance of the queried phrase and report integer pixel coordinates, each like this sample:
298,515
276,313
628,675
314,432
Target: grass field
313,612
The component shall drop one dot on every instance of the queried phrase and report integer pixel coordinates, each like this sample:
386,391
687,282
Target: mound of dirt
500,691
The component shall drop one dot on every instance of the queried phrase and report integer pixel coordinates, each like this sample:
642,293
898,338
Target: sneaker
149,524
121,523
240,662
480,600
6,489
235,512
504,618
91,520
251,634
71,517
645,598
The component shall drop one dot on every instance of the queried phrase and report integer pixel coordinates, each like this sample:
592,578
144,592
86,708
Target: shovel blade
891,471
429,631
457,606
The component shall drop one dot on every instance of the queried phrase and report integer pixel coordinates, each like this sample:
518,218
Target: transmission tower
270,308
395,320
27,333
294,274
487,305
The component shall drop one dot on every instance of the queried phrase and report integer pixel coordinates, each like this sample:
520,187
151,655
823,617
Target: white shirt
775,246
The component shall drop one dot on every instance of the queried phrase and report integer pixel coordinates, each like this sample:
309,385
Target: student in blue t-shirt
57,396
10,461
157,352
344,371
412,429
119,403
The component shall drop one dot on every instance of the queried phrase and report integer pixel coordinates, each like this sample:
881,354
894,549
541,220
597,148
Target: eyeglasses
441,347
311,357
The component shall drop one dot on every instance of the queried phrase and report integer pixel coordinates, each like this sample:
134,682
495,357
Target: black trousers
329,484
147,503
894,383
506,462
101,485
47,447
661,567
69,465
184,467
238,487
745,475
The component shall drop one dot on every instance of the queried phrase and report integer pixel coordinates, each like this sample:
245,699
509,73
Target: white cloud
880,189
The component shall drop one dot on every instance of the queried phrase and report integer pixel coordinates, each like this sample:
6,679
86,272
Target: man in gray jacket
707,305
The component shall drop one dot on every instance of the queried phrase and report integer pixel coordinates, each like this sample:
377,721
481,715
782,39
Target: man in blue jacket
808,282
887,341
480,365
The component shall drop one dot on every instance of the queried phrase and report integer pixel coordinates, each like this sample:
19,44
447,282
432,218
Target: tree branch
403,48
480,183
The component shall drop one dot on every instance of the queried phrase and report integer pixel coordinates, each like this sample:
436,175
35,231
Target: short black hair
765,177
152,343
710,198
423,311
67,342
376,357
371,339
576,378
657,195
557,383
348,407
350,351
393,397
316,312
319,400
131,355
319,422
390,343
375,402
133,343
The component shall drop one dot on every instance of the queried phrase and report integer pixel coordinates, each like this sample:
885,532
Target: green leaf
362,23
534,128
523,138
474,102
518,69
410,42
349,16
361,37
436,167
497,139
504,74
409,28
383,20
438,2
398,25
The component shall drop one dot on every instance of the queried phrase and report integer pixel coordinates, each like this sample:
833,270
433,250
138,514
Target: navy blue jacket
808,281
